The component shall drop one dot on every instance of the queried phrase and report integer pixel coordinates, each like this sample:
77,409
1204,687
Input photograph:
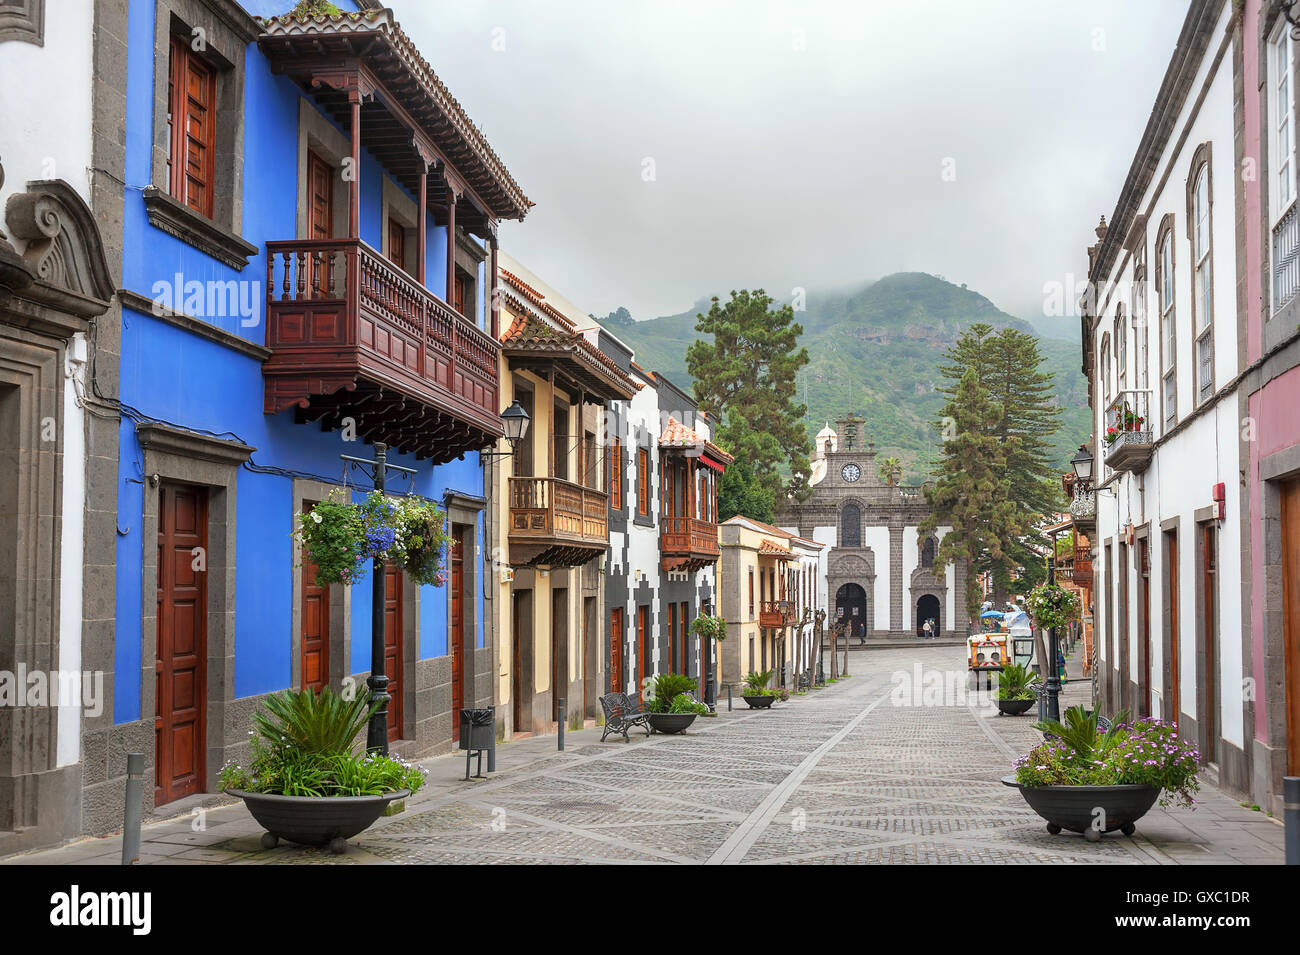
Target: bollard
728,697
131,820
1291,817
492,746
563,717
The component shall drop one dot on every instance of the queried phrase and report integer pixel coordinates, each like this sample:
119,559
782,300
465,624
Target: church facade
881,576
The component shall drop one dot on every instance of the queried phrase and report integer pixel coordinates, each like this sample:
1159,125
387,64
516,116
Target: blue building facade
247,369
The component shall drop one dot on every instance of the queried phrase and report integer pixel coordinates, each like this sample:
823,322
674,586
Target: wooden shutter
192,101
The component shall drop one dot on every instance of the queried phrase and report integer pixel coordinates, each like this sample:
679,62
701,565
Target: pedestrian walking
928,631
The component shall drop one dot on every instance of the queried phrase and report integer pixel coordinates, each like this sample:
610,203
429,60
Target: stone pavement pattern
841,775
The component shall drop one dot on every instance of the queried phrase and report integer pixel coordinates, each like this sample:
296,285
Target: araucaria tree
1000,417
745,376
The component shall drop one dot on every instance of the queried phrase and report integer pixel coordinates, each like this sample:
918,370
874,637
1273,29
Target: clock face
851,473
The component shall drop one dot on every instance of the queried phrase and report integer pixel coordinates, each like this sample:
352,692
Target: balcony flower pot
1015,707
315,820
669,723
760,702
1076,807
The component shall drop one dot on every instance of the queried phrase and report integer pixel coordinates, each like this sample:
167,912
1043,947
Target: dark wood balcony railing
774,614
687,543
353,335
556,522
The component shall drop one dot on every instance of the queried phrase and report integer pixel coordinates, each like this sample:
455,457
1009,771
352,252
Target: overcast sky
810,144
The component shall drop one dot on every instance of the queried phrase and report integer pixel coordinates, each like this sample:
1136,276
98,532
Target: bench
621,714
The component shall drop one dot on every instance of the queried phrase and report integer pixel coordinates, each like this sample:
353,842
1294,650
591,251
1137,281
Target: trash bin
476,728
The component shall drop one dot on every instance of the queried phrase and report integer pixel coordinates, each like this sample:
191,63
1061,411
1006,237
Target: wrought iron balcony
1128,437
687,543
554,522
1083,508
353,336
1286,258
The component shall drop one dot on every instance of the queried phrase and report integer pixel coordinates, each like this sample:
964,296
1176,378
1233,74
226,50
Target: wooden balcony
775,614
353,336
556,523
687,543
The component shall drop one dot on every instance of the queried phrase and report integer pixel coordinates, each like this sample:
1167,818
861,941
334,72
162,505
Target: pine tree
971,491
746,377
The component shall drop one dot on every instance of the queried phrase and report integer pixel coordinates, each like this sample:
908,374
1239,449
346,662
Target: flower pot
1015,707
315,820
671,722
761,702
1075,807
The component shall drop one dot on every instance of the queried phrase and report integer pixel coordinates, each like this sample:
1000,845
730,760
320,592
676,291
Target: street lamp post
1053,674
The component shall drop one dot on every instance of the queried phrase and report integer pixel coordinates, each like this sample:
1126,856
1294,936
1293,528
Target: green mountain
876,351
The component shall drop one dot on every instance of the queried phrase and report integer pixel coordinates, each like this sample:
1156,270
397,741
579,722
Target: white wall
877,538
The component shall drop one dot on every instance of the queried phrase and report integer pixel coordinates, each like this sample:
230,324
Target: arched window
927,553
1202,272
850,526
1105,358
1168,338
1121,348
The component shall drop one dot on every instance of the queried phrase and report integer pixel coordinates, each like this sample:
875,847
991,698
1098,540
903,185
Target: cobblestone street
840,775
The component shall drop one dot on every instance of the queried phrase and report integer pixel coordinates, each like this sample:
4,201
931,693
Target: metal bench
621,714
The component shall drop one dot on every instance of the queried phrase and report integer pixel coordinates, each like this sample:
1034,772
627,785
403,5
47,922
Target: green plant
1146,753
709,628
756,682
305,745
1016,682
684,703
1081,731
342,538
667,687
1052,606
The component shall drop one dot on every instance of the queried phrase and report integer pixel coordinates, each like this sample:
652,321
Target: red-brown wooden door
393,646
1290,529
181,677
685,640
1144,628
642,656
1171,566
616,651
1209,627
396,244
456,639
315,637
320,213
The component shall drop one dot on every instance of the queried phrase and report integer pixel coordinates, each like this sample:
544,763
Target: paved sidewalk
840,775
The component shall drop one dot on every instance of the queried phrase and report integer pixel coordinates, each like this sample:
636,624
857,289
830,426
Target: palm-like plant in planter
1017,689
672,708
306,780
757,692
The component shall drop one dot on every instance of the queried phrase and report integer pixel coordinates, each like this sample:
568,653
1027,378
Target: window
927,553
1105,368
1121,349
191,127
850,526
1202,283
642,481
1281,144
751,593
1168,338
1139,316
616,475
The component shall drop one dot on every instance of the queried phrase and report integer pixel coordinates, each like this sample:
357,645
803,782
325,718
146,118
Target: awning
713,464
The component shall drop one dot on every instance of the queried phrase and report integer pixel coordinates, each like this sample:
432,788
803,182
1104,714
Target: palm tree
892,471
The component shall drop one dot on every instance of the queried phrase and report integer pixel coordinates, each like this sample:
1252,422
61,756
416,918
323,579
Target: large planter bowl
671,722
315,820
1074,807
1015,707
759,702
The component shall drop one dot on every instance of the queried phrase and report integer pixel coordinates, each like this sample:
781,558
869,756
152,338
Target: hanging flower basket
343,539
1052,606
710,628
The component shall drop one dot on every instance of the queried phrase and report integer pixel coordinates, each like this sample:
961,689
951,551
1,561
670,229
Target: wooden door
1122,625
320,211
393,647
181,670
1290,530
396,244
315,634
456,639
685,638
516,664
672,638
1209,625
1171,569
616,684
1144,628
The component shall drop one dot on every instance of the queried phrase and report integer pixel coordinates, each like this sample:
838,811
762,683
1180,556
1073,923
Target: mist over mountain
876,351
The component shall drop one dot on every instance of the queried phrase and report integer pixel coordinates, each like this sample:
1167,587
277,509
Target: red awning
713,464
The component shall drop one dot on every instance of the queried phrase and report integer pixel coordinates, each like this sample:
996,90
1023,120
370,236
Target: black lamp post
1053,674
515,421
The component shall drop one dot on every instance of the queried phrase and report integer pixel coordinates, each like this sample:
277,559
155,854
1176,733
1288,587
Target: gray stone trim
177,219
227,32
1170,523
23,21
167,457
1203,514
166,439
189,323
1281,464
895,576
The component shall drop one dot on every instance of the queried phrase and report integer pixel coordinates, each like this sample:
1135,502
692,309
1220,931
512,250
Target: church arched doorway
851,609
927,608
